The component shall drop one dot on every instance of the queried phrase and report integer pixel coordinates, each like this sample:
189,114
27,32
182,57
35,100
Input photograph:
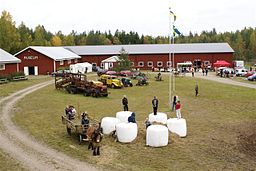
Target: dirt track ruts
31,154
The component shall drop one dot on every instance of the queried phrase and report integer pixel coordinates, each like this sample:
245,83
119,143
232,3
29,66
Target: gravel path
213,77
26,150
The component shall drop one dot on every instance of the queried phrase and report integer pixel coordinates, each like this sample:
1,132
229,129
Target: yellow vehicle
111,81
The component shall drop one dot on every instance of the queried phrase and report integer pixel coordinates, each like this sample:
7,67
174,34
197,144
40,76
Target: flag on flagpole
176,31
174,16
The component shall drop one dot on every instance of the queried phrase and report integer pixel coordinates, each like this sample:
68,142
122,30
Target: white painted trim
17,67
54,66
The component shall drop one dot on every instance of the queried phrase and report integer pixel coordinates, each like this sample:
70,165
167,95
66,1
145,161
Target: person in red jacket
178,107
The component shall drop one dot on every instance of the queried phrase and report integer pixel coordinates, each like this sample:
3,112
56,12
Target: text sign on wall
31,57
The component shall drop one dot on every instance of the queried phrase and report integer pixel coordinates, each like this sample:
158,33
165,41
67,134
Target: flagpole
171,57
170,63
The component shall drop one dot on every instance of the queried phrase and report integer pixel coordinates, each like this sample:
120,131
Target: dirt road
22,147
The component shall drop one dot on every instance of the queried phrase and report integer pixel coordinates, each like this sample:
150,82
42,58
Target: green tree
40,36
56,41
25,36
9,36
124,62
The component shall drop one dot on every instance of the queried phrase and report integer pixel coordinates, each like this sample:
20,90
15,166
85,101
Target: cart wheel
112,86
69,131
80,139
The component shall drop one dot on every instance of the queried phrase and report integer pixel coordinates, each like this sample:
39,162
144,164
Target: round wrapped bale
126,132
123,116
177,126
108,124
157,136
159,117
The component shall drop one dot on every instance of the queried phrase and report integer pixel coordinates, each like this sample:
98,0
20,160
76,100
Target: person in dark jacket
85,121
174,101
125,103
155,105
132,118
196,89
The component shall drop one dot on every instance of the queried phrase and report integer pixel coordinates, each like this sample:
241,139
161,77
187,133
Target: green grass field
11,87
221,126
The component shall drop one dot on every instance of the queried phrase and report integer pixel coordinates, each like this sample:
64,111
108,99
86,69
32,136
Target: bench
19,78
3,80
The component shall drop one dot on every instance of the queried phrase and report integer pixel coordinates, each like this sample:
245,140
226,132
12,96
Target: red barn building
44,60
146,56
8,63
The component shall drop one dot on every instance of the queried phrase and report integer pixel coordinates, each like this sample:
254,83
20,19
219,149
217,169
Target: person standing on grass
125,103
174,101
178,107
203,71
196,89
206,71
131,119
193,72
155,105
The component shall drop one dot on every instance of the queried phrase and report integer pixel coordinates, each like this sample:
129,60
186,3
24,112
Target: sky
148,17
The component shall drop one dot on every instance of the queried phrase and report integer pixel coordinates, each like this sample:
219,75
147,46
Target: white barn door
36,70
26,70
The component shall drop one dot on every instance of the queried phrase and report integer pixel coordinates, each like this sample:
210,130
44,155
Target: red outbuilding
148,56
44,60
8,63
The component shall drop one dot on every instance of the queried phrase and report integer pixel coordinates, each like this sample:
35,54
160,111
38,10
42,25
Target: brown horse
95,137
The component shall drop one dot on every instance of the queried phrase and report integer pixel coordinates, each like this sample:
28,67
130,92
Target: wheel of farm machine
72,90
113,86
69,131
80,139
131,85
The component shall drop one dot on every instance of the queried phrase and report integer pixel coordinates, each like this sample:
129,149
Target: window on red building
150,63
141,64
159,63
169,63
2,66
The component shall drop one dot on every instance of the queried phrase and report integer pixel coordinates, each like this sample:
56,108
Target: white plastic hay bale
108,124
157,136
177,126
126,132
123,116
159,117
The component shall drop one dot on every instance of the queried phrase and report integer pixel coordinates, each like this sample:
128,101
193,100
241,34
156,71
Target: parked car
111,73
126,82
111,81
126,73
241,72
252,77
250,73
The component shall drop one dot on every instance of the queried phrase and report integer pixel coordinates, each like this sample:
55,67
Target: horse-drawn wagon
91,132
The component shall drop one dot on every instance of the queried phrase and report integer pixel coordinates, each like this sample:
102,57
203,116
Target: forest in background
15,38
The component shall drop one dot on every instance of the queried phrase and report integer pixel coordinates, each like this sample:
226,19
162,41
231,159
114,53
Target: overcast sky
148,17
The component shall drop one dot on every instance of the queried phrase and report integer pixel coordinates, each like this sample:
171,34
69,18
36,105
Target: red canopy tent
221,64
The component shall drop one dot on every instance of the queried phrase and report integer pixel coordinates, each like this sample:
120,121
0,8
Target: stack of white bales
157,136
108,124
123,116
159,117
126,132
177,126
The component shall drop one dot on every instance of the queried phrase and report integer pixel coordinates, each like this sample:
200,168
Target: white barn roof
6,57
111,59
152,48
56,53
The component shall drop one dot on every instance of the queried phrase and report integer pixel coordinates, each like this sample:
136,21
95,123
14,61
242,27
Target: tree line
14,39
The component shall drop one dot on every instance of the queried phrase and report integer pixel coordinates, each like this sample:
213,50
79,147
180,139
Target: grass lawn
221,126
11,87
7,163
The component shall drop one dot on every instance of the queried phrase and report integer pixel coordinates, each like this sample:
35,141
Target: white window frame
141,63
62,62
94,64
111,65
69,61
158,63
169,63
102,64
2,67
150,62
132,64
